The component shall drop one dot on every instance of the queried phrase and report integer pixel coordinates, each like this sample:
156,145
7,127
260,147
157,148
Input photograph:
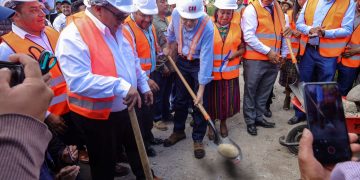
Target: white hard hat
190,9
126,6
148,7
226,4
171,2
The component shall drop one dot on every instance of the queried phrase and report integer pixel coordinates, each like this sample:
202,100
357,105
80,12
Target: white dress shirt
249,24
75,63
59,22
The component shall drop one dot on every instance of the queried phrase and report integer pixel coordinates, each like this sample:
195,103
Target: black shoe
150,152
295,120
156,141
268,113
121,170
265,124
251,129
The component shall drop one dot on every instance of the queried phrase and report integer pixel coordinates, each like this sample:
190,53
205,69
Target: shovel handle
140,144
191,92
282,23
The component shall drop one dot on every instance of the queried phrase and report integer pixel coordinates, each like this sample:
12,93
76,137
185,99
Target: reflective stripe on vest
58,84
94,108
268,32
195,39
353,61
230,69
143,47
327,47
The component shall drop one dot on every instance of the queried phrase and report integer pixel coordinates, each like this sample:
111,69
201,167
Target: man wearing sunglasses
103,73
194,33
29,30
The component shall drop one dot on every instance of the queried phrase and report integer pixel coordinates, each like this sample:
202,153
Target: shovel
226,147
296,86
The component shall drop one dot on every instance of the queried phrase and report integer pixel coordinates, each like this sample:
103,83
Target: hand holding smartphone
326,121
17,72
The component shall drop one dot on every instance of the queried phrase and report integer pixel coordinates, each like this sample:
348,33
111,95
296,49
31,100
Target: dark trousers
190,70
162,97
269,100
74,135
145,117
346,78
315,68
102,139
259,77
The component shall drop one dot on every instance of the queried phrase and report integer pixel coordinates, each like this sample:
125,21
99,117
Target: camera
17,72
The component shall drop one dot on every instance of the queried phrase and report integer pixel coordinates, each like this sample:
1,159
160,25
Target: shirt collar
101,26
22,33
159,19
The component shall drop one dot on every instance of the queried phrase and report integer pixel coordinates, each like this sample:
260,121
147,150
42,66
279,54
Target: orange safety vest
195,39
222,48
143,47
94,108
236,17
70,19
327,47
353,61
268,32
295,41
58,103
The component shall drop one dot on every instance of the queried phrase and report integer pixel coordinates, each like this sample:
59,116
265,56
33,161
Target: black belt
182,57
316,47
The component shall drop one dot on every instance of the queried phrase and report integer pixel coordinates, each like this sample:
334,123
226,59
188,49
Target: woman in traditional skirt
224,91
288,74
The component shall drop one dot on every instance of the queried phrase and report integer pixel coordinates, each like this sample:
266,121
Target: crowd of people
115,55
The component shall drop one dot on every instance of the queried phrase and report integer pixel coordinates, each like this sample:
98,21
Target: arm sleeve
207,55
346,24
300,23
23,144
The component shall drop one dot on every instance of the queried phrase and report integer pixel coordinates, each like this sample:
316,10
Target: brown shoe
160,125
199,150
83,156
174,138
223,129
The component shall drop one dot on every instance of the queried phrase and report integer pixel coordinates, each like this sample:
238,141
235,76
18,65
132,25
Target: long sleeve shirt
204,49
74,58
42,40
23,144
321,11
249,24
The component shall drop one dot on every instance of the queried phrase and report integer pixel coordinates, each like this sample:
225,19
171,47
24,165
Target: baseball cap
6,13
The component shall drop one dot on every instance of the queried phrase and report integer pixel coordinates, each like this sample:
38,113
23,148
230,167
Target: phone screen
326,121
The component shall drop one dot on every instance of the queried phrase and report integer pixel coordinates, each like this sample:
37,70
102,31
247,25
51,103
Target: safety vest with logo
58,103
195,39
94,108
353,61
268,32
224,69
295,41
327,47
143,47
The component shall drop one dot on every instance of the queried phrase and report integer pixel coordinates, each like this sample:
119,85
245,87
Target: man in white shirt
60,21
263,36
103,74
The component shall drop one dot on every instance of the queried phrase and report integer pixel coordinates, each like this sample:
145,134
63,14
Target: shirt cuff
123,88
329,34
144,88
205,80
307,29
266,50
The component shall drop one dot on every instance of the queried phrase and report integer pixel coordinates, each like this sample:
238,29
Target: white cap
148,7
171,2
126,6
190,9
226,4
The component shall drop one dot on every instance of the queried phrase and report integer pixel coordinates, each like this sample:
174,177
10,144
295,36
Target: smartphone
326,121
17,72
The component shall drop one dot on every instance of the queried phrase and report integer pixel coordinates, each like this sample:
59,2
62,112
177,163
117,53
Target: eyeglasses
120,15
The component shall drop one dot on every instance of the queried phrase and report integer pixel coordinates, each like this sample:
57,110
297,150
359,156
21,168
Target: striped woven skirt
224,98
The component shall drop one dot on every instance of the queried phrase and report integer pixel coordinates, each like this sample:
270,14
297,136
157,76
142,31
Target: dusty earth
263,156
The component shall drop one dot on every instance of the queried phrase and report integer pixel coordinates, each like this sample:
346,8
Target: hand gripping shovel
226,147
295,87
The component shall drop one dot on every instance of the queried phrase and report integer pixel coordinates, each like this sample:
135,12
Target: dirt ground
263,156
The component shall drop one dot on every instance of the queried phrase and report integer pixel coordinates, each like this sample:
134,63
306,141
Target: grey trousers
259,77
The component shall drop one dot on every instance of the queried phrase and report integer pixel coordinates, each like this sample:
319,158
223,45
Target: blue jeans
315,68
190,70
162,97
346,78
